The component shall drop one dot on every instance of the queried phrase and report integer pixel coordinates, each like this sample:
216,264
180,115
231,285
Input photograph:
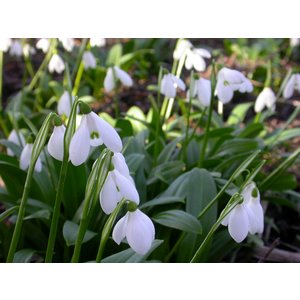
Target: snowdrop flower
13,137
89,60
64,104
26,158
43,44
169,84
5,44
138,230
56,142
97,42
292,84
110,81
202,89
16,49
265,98
92,131
56,64
28,50
229,81
294,42
181,48
67,43
195,58
247,216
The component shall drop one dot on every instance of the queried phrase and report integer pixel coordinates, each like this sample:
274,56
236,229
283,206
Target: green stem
21,213
1,77
56,210
107,230
115,98
78,78
79,59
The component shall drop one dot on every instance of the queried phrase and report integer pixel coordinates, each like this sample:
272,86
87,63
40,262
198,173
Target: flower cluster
247,217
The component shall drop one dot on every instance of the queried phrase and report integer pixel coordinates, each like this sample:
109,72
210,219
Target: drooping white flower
266,98
169,84
13,137
229,81
97,42
43,44
68,43
56,142
247,216
110,81
16,48
28,50
138,230
195,58
294,42
181,49
56,64
292,84
89,60
202,89
92,131
5,44
64,104
25,159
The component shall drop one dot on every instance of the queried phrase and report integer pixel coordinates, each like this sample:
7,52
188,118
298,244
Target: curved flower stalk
137,228
56,142
229,81
114,73
118,185
56,64
266,98
5,44
247,216
18,140
16,48
92,131
43,44
25,158
89,60
169,84
292,84
97,42
68,43
202,89
64,106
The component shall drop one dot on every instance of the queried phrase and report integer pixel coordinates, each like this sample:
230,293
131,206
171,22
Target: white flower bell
138,230
229,81
247,216
169,84
43,44
28,50
5,44
195,58
266,98
56,64
181,49
92,131
292,84
97,42
110,81
18,140
16,48
89,60
202,89
56,142
25,159
68,43
64,104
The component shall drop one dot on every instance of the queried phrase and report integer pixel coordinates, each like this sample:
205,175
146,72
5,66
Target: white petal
99,42
204,91
202,52
167,86
120,229
119,163
64,104
5,43
80,144
224,92
109,195
94,126
247,192
178,82
68,43
110,137
181,48
289,87
56,142
260,103
43,44
189,60
56,64
26,156
13,137
38,165
265,98
140,232
123,76
109,82
89,60
238,224
199,63
126,187
16,49
297,82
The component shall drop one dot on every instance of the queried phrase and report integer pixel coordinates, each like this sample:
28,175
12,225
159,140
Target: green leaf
178,219
251,131
40,214
16,149
239,113
162,200
285,135
134,161
70,231
114,55
8,212
137,118
125,128
237,146
129,256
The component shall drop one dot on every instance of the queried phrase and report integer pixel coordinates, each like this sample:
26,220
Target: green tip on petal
131,206
84,108
254,193
57,121
30,139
